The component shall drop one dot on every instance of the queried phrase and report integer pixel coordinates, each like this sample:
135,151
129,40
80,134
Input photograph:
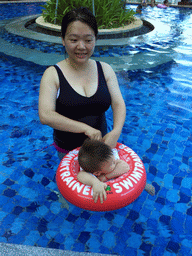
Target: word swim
125,184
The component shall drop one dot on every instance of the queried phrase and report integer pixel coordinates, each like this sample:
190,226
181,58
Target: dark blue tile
165,219
137,228
189,211
146,247
173,247
53,244
85,215
177,180
45,181
42,226
109,216
17,210
84,237
8,182
71,218
184,198
153,170
133,215
160,200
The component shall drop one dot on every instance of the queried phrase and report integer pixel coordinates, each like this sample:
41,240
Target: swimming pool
158,128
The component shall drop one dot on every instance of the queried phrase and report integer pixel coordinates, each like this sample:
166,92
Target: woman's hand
111,139
93,133
99,191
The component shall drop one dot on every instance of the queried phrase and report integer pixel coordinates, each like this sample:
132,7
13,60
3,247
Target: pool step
25,250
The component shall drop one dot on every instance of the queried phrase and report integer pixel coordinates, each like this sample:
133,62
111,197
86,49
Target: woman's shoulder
107,69
50,69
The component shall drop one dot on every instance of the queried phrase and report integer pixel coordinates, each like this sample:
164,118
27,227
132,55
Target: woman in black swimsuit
75,93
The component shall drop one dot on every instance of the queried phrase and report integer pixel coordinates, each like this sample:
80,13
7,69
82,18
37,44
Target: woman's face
79,42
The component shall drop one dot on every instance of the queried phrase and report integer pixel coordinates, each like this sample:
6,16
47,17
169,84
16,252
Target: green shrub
109,13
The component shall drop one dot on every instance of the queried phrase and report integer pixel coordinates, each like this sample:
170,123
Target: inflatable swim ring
162,6
120,191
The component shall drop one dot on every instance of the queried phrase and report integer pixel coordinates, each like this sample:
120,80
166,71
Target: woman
75,93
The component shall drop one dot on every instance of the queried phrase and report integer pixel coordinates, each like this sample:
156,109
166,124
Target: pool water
158,128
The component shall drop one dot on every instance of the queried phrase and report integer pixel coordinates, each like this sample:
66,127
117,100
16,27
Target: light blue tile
172,195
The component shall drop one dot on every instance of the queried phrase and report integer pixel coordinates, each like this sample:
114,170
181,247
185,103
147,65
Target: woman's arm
47,105
118,106
98,186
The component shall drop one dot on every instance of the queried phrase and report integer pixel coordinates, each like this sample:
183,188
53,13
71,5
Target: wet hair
92,153
82,14
139,7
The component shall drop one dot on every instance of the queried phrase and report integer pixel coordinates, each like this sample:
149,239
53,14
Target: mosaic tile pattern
158,128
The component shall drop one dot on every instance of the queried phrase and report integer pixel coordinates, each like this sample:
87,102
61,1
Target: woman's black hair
82,14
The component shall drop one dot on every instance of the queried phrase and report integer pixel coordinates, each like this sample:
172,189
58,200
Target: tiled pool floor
158,128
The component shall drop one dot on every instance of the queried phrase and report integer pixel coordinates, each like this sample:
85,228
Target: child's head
94,156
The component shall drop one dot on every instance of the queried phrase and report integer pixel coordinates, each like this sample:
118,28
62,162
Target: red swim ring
120,191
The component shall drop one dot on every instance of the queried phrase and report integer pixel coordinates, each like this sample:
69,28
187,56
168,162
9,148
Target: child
97,158
139,9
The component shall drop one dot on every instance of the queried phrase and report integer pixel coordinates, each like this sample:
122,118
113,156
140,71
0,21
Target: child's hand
99,191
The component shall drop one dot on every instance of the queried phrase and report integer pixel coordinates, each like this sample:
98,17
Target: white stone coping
136,24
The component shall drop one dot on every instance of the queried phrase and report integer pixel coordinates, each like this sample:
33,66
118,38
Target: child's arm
98,186
120,168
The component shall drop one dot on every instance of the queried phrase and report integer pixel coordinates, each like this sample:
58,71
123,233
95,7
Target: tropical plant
109,13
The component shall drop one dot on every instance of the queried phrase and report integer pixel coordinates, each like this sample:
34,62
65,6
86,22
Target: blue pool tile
28,193
42,241
85,215
167,210
184,198
17,225
189,211
184,251
165,219
8,207
133,215
181,207
168,179
55,207
93,243
160,200
80,222
173,247
145,247
32,238
134,240
188,226
109,239
176,227
42,211
138,228
9,192
71,218
17,210
130,251
172,195
103,224
186,183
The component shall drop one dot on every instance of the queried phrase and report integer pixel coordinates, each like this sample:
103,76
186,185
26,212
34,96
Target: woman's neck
74,66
